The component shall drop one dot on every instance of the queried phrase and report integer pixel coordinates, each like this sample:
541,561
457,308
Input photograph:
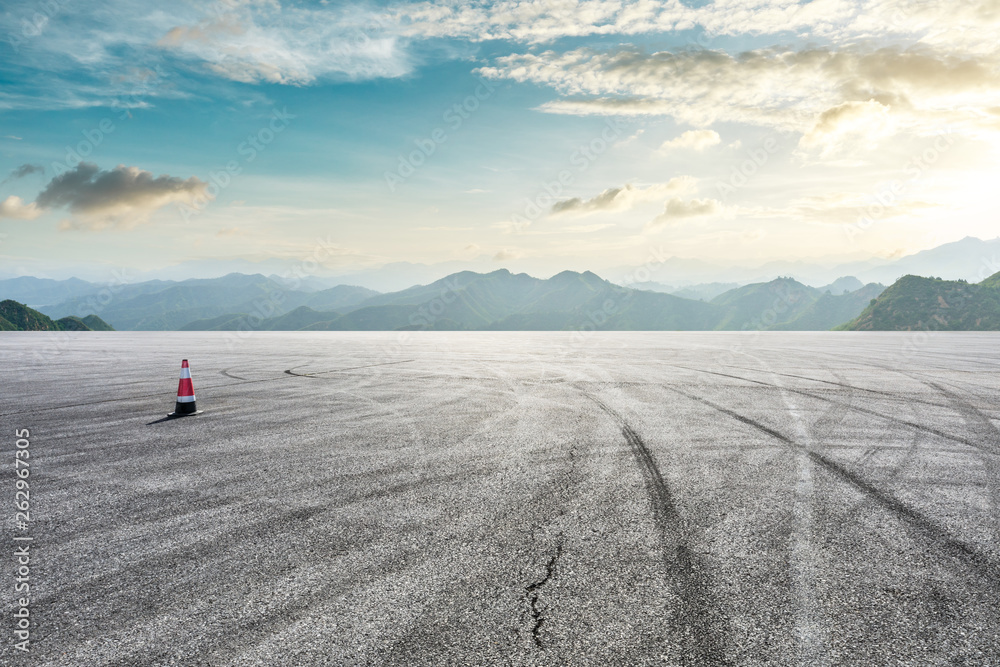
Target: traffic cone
185,394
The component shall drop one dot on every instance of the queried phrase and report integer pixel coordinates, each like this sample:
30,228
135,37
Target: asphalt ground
506,498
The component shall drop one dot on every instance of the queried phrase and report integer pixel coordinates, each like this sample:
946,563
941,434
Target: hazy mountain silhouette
501,300
163,305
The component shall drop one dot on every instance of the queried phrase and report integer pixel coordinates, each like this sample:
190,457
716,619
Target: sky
530,135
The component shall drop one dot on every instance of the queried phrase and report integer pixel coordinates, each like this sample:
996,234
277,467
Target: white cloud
968,24
546,20
623,198
678,209
251,43
14,207
507,254
262,41
118,197
828,94
248,42
863,122
696,140
299,44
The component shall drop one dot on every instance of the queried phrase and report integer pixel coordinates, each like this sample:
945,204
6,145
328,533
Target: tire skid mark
842,383
703,641
193,507
921,427
271,623
968,386
227,648
894,471
303,513
925,356
106,400
291,371
104,588
945,540
513,388
229,385
949,543
811,623
536,615
984,427
973,416
225,371
980,424
246,632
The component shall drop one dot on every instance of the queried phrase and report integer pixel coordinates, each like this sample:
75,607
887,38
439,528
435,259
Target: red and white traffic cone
185,394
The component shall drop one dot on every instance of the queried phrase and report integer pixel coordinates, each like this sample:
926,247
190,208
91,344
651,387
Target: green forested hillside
830,311
16,316
913,303
764,305
95,323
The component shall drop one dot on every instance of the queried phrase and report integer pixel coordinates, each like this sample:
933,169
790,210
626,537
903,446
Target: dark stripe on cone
185,393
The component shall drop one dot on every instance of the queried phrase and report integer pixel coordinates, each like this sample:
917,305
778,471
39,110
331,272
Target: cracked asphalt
507,498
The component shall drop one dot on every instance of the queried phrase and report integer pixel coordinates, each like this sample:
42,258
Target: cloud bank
260,43
824,94
623,198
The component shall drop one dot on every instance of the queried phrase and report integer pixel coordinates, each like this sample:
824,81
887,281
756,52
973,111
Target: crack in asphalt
532,592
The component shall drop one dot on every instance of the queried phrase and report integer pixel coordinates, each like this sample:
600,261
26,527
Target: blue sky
540,135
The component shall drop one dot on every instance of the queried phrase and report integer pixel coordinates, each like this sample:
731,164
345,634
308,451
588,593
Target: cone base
174,415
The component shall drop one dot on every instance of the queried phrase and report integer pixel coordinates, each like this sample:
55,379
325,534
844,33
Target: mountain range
158,305
498,301
971,259
505,301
